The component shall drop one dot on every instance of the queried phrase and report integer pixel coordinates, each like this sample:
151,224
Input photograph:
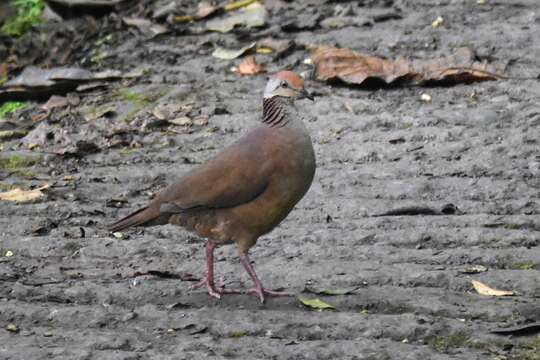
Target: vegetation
10,107
17,164
527,265
28,14
445,343
529,351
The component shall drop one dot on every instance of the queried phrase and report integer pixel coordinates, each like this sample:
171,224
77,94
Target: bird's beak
304,94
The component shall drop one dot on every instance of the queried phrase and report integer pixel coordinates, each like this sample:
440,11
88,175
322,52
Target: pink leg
258,288
208,278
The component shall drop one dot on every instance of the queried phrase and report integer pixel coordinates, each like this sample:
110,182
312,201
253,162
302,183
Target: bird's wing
237,175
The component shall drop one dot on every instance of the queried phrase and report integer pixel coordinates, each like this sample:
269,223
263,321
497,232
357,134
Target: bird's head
286,84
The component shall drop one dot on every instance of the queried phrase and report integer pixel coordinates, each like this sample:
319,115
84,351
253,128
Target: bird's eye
283,84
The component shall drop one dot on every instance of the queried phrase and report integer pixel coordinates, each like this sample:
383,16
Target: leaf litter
356,68
331,292
23,196
316,304
249,66
36,82
483,289
253,15
229,54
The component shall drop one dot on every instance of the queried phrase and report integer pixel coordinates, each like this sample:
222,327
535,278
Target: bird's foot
210,286
213,290
262,292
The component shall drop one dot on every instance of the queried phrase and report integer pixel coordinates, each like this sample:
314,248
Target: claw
210,286
216,292
262,293
258,289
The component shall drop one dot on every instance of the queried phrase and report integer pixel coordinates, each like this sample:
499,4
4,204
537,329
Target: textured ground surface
74,294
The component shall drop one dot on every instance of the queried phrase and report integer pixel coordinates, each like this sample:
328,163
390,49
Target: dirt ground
74,291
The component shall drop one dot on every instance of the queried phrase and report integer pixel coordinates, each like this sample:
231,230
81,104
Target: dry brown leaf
21,196
351,67
249,66
355,68
483,289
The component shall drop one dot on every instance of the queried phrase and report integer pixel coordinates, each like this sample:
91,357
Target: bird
246,190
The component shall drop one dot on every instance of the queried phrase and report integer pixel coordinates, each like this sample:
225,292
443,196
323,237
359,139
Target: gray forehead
272,85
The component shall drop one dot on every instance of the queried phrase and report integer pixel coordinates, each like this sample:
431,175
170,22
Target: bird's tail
139,217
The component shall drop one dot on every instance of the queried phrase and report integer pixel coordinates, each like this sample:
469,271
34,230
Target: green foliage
18,165
28,14
528,351
527,265
10,107
445,343
6,187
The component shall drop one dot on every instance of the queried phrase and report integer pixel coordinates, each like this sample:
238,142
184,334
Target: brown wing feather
237,175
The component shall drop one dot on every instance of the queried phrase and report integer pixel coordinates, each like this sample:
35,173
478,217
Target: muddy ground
73,291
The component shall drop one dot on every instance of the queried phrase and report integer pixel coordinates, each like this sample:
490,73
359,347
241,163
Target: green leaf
28,14
315,303
11,106
237,334
331,292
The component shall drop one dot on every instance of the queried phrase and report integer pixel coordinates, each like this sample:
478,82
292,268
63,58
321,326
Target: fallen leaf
425,97
12,134
181,121
278,47
473,269
146,26
237,4
93,113
206,9
437,22
409,211
519,330
264,50
229,54
315,303
355,68
483,289
237,334
395,141
87,3
177,305
194,329
54,102
12,328
331,292
166,275
36,82
21,196
351,67
252,15
249,66
201,120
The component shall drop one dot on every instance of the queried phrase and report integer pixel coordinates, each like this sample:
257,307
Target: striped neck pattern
274,112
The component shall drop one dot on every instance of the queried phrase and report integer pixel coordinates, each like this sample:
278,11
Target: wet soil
74,291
